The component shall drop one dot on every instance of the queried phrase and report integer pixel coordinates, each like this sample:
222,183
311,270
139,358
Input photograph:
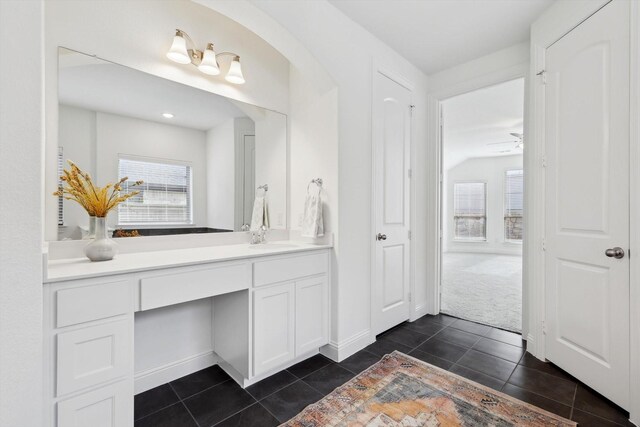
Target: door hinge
409,173
411,107
544,327
543,74
409,234
409,296
544,244
543,161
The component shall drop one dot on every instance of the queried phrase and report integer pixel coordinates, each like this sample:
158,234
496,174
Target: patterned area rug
403,391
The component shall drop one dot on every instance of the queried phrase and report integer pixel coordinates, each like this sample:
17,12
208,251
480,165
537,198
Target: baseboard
151,378
419,311
531,344
244,383
340,351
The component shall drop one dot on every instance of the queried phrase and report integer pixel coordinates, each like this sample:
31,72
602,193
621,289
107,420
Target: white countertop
79,268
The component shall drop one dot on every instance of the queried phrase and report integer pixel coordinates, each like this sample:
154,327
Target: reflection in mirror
201,156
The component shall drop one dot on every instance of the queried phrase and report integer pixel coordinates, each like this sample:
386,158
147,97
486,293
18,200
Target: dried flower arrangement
97,201
126,233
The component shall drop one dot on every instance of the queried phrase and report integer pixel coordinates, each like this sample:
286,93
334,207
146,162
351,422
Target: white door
249,177
391,142
587,202
273,326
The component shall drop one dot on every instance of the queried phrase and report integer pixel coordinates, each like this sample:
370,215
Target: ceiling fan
518,142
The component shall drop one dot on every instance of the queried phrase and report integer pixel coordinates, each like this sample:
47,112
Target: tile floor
489,356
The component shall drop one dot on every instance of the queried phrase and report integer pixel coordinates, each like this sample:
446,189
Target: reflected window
513,205
469,211
165,197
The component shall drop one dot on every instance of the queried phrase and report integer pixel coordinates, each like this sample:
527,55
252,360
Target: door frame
558,20
410,86
520,71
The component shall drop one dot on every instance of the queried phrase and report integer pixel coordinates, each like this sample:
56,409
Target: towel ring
264,187
316,181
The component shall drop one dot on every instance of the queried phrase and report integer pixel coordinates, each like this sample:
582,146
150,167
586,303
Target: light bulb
178,52
209,65
235,72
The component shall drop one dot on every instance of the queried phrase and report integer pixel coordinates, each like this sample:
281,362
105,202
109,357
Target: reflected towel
260,216
312,222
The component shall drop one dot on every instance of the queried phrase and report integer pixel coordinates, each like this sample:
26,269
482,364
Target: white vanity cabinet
269,311
290,309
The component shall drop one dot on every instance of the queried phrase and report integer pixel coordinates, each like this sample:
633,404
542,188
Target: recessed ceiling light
167,115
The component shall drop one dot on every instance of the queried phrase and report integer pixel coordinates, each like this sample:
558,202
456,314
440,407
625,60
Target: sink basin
273,246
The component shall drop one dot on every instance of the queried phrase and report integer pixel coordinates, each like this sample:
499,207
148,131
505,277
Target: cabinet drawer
90,356
93,302
176,288
108,406
290,268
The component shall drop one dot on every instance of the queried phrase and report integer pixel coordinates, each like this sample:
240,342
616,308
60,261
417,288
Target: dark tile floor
483,354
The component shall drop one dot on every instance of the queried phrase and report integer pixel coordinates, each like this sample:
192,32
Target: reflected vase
102,247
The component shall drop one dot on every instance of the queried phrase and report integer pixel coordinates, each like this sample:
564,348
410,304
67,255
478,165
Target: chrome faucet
259,236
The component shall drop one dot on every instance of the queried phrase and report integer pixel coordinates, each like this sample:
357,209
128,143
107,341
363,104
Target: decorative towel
312,222
260,214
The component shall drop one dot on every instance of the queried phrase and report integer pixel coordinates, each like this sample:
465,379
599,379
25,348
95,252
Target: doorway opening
482,205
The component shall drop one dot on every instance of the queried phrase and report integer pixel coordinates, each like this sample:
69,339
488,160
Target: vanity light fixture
206,61
167,115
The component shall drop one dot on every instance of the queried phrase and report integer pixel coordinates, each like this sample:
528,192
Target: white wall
490,170
138,34
21,139
118,135
221,190
95,140
77,137
349,54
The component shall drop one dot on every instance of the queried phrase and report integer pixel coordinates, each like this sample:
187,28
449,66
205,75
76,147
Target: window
60,198
165,196
469,211
513,204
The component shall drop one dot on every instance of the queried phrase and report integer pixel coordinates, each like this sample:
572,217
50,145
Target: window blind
513,204
60,198
469,210
165,197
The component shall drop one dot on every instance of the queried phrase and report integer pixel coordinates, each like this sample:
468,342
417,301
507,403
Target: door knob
381,236
616,253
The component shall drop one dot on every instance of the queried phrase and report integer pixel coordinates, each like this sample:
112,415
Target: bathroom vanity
270,309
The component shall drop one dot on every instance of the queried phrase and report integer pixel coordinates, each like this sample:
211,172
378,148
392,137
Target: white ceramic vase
102,247
91,234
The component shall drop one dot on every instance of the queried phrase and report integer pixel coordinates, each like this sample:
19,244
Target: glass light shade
178,52
209,65
235,72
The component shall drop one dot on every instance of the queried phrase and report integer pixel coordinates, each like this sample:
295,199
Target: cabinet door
93,355
273,327
110,406
311,314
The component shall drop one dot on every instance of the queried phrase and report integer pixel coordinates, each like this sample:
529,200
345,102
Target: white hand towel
260,215
313,223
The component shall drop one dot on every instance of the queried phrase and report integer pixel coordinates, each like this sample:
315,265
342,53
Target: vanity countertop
80,268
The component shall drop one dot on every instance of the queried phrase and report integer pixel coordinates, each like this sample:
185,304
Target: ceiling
480,123
97,85
437,34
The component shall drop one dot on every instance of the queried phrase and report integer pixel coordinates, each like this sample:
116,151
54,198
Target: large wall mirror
201,156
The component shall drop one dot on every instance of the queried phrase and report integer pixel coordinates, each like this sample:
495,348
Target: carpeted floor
484,288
